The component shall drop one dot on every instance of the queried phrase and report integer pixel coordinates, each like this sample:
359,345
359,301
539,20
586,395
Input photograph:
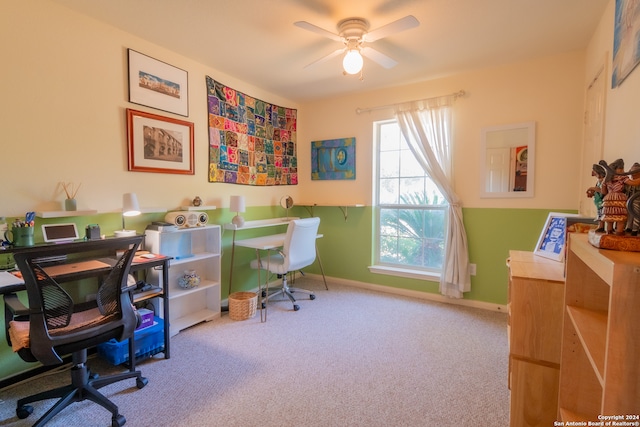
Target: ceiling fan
354,33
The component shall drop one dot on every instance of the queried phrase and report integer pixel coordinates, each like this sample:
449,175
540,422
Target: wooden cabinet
199,249
600,366
536,288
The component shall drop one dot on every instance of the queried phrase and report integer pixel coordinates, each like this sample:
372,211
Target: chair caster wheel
296,307
118,421
24,411
141,382
264,305
312,297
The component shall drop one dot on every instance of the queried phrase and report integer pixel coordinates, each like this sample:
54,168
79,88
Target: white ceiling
256,41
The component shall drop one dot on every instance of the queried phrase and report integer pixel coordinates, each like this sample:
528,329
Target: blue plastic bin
149,341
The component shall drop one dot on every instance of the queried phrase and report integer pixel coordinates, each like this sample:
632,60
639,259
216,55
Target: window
410,210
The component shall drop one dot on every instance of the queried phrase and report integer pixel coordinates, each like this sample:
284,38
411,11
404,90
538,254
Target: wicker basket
242,305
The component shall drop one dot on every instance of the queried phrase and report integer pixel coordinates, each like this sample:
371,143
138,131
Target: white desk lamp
130,207
237,205
287,203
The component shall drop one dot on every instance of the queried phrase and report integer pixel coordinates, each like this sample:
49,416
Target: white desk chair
299,251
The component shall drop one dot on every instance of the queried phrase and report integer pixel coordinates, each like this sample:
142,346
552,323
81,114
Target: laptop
60,233
76,267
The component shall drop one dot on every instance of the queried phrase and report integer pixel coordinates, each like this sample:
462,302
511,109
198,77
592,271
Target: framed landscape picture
157,84
159,144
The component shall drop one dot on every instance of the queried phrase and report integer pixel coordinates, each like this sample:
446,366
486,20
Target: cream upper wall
622,127
548,91
64,94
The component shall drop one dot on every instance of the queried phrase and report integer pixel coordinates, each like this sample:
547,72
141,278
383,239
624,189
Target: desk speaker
203,218
186,219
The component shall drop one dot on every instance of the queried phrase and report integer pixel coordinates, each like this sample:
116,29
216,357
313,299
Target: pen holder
20,236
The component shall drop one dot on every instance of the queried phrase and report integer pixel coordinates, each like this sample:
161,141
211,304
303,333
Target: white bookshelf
195,248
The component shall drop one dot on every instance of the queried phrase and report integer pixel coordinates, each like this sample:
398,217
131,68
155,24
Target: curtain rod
457,94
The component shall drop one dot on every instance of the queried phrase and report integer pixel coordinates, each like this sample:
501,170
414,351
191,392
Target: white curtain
426,125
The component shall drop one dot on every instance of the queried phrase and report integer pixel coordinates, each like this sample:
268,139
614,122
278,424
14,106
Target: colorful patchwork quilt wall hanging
251,141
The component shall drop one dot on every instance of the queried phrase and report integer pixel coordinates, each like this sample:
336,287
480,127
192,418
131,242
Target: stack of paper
7,279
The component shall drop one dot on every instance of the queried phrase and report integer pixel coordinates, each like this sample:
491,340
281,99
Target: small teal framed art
333,159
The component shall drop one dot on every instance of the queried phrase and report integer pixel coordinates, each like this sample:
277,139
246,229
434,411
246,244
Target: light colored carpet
351,357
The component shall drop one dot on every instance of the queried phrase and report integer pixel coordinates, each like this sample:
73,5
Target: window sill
404,272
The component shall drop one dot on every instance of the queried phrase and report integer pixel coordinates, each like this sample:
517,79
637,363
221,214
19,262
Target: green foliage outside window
412,234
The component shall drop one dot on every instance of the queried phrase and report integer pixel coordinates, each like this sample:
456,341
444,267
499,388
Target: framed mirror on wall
507,156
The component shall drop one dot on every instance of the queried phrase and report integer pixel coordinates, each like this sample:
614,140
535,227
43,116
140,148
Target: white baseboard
398,291
413,294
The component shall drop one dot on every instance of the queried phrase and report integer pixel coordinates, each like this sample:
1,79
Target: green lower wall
346,250
492,233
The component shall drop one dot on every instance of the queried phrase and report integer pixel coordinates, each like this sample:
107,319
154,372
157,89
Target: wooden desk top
76,267
530,266
78,270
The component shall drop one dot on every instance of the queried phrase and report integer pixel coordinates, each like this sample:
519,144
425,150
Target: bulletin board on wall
251,142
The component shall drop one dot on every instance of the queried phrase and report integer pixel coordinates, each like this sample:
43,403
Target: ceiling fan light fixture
352,62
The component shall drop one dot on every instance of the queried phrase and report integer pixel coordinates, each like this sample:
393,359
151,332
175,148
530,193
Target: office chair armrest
15,306
13,310
130,288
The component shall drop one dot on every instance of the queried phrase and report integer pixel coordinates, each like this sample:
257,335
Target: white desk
248,225
263,243
261,223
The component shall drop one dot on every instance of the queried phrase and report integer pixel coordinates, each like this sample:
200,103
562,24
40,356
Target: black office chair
53,325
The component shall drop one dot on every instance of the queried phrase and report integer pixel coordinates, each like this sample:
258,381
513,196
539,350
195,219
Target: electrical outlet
472,269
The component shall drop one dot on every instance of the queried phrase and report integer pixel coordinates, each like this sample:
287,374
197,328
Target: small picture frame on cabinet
553,239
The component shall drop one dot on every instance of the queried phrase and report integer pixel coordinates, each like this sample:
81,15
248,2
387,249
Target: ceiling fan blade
401,24
315,29
378,57
327,57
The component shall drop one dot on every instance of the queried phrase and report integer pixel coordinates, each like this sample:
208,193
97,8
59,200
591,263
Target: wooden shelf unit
536,288
600,363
